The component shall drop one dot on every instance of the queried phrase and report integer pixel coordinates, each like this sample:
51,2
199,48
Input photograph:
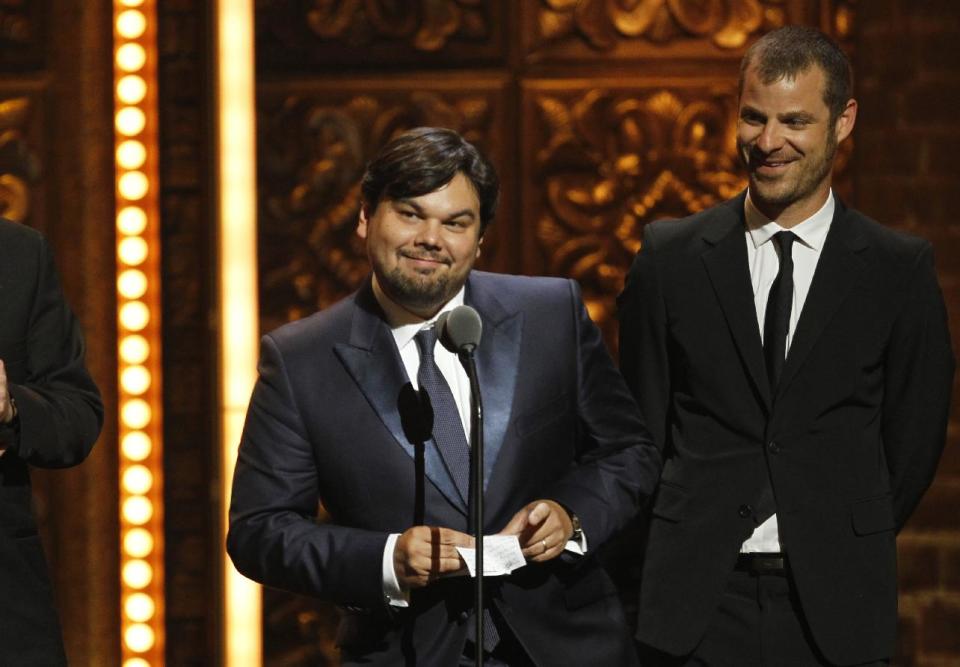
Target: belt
762,563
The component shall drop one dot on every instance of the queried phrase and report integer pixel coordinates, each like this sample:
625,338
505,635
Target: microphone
460,329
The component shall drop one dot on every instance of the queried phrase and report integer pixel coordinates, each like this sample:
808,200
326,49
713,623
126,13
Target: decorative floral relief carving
614,161
426,25
312,156
604,23
19,166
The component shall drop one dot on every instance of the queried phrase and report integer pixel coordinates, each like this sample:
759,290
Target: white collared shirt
405,326
764,261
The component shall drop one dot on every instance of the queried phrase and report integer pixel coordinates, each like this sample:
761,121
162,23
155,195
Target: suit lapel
498,360
726,263
833,279
372,359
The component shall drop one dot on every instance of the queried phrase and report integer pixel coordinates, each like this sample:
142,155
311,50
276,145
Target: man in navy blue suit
568,459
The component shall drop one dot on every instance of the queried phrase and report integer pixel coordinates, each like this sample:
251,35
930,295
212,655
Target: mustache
426,255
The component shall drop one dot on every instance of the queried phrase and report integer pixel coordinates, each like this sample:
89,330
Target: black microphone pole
460,330
476,488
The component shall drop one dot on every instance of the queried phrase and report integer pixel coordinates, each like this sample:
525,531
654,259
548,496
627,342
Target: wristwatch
577,528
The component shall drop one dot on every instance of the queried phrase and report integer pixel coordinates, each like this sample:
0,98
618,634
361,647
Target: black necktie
447,428
451,442
776,322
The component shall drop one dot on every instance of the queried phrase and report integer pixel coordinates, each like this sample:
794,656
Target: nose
428,233
771,138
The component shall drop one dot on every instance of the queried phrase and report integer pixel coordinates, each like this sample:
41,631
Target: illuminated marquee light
138,334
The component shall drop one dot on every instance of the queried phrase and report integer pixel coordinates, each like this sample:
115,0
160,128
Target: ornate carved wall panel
380,33
314,143
610,30
604,157
21,122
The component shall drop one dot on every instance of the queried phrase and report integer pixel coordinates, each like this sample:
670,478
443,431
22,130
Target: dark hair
791,50
421,160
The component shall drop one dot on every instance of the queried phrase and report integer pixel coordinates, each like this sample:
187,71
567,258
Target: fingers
549,528
517,524
424,553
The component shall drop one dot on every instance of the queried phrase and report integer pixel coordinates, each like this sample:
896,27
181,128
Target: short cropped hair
791,50
424,159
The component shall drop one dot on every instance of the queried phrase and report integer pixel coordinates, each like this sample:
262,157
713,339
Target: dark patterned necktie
451,441
447,428
776,322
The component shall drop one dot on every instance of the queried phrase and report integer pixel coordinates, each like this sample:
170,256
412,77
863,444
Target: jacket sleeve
617,464
274,537
918,378
644,354
59,408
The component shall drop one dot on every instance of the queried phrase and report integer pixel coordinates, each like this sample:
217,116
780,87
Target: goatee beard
416,294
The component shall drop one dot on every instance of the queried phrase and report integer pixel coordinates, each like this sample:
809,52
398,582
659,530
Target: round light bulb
139,638
132,250
135,413
135,380
133,185
137,510
131,24
130,121
131,154
134,316
136,445
132,284
137,574
139,607
137,479
131,57
131,89
131,220
134,349
138,543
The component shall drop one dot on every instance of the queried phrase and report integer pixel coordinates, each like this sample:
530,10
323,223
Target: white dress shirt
764,262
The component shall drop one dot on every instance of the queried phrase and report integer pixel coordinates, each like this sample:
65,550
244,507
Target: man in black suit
792,359
334,419
50,416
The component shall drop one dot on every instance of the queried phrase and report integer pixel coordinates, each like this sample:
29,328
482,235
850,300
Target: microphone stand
476,490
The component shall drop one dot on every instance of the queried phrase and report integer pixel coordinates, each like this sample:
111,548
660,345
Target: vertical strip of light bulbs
138,334
237,262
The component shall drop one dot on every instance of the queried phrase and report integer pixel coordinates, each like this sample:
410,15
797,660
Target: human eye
797,122
408,212
752,117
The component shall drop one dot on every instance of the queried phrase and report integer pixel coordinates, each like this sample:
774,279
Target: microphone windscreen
462,328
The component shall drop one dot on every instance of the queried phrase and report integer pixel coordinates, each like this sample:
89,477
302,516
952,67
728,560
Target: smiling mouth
425,260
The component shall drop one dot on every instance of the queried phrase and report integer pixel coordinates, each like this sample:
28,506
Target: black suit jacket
324,424
842,452
60,415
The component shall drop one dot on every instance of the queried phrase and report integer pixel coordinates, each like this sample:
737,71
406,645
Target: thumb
517,524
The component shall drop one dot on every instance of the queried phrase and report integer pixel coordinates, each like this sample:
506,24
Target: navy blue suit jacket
325,423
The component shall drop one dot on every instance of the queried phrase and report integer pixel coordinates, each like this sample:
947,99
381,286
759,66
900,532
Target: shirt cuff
392,593
577,546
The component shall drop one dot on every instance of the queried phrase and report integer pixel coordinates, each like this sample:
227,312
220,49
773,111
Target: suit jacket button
745,511
464,616
773,447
